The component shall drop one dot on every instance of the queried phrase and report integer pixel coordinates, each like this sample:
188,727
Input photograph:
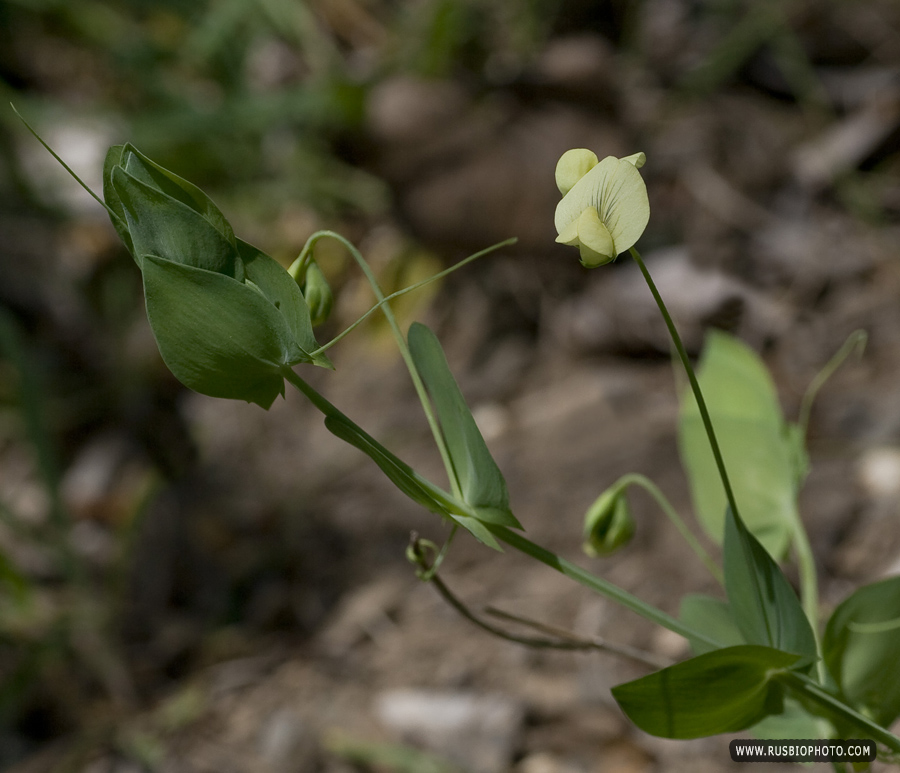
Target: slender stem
692,378
653,490
805,561
562,640
809,586
297,269
520,543
315,397
405,290
594,642
855,341
814,692
64,164
401,345
600,585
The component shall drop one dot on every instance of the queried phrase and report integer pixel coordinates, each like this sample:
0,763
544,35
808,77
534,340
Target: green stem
64,165
809,586
315,397
401,345
405,290
562,640
520,543
692,378
599,585
654,491
805,562
855,341
809,592
806,687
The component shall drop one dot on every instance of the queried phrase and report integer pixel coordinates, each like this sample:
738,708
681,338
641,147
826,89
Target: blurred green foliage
263,98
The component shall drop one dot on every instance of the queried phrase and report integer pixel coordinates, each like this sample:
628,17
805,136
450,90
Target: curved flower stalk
605,208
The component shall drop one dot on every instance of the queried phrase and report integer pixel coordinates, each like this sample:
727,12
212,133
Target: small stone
285,742
879,472
476,731
546,763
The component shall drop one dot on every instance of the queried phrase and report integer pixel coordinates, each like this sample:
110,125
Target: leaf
794,722
713,617
861,647
218,336
763,604
142,168
758,449
282,291
479,478
723,691
112,160
420,490
162,226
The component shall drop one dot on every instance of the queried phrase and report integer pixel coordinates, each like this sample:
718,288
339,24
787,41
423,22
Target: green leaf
713,617
479,478
142,168
723,691
861,647
282,291
763,604
417,488
794,722
218,336
759,450
112,160
162,226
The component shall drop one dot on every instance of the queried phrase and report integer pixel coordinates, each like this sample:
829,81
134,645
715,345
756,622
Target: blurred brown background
195,585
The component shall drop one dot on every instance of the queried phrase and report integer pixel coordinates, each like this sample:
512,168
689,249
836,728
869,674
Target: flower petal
572,166
594,235
591,259
626,208
569,235
616,190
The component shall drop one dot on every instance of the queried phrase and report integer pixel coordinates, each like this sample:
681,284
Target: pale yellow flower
604,209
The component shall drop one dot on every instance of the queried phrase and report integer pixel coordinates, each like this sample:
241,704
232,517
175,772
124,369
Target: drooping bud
318,294
608,524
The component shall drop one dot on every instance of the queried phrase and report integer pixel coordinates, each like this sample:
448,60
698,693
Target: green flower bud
605,208
227,318
608,524
318,294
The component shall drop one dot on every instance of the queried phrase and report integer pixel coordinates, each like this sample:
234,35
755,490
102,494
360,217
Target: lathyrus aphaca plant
232,322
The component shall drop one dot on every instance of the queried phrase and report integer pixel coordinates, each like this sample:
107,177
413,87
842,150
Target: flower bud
318,294
608,524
